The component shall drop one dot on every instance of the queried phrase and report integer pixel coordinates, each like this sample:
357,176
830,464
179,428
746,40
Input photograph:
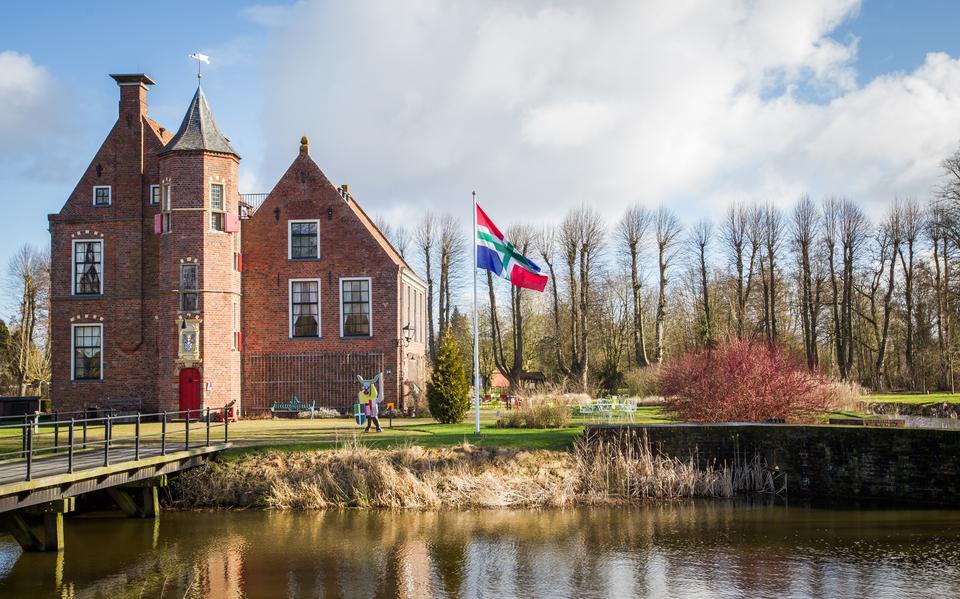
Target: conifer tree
447,391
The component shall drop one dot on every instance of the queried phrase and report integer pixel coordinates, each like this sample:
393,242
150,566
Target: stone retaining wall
910,465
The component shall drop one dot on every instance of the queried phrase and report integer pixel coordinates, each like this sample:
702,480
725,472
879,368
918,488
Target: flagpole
476,328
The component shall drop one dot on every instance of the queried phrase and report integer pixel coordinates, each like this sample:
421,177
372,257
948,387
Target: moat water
689,549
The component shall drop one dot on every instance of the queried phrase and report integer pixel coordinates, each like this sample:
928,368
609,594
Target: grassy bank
466,476
913,398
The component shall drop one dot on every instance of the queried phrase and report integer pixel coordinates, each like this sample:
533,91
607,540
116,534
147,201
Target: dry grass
539,411
840,396
413,477
626,470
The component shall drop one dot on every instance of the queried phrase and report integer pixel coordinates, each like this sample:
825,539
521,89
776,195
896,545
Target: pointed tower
199,278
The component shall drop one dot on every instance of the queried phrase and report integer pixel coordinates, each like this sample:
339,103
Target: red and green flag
496,254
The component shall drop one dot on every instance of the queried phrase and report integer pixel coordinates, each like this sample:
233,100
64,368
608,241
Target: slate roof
199,131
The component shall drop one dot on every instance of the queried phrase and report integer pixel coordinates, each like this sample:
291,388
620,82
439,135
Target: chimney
133,94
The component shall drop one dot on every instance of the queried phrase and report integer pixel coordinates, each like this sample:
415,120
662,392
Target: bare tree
740,235
426,241
912,217
630,234
772,230
399,236
668,229
844,227
521,237
888,245
700,238
29,281
546,245
452,251
937,225
581,241
803,236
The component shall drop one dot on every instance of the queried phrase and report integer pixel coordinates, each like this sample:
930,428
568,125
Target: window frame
369,281
150,202
73,266
218,216
109,196
290,223
290,322
73,350
181,292
166,208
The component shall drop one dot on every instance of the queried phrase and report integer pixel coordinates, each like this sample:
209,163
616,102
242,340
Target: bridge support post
149,504
20,525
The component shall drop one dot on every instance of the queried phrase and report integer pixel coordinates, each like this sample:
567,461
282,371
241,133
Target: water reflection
709,549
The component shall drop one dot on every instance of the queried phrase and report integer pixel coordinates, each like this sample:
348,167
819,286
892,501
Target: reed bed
412,477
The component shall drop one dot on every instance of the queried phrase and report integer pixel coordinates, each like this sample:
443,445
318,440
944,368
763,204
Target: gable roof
199,131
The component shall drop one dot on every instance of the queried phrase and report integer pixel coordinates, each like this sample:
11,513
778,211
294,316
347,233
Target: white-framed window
87,267
189,287
304,308
355,314
218,218
154,198
236,325
101,195
303,239
166,206
86,361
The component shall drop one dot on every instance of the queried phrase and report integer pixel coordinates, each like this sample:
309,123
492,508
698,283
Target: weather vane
200,58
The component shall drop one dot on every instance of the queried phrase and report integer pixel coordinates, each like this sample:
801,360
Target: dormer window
303,240
218,217
101,195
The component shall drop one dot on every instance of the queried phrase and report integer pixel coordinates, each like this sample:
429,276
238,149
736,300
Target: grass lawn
914,398
302,434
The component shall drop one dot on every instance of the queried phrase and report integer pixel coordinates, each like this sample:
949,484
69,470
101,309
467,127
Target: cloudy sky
537,105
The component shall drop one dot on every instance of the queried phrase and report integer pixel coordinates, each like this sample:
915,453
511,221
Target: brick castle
171,290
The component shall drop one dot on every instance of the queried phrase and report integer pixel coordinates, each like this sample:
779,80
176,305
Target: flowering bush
741,382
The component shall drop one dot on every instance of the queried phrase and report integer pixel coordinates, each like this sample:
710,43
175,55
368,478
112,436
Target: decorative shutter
239,340
157,224
239,262
233,223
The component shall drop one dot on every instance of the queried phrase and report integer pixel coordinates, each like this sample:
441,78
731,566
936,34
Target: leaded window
189,287
305,308
87,267
87,348
154,195
355,307
304,239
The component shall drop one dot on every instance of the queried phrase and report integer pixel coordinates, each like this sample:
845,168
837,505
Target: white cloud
543,105
27,94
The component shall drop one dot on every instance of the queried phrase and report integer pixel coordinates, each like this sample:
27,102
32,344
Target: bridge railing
117,437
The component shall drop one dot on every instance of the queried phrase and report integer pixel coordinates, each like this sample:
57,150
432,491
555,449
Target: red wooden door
190,390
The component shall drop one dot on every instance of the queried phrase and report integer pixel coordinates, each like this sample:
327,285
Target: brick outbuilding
171,290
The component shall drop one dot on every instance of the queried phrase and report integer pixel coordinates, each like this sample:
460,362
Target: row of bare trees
868,299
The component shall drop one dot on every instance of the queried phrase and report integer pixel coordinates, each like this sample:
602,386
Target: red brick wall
346,250
123,162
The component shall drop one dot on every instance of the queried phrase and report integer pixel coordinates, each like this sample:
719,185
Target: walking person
370,393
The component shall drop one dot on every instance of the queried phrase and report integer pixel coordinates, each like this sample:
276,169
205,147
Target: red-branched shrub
741,382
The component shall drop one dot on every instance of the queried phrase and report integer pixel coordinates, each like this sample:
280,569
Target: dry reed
413,477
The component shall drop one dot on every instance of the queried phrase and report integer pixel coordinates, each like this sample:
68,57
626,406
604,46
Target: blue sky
415,109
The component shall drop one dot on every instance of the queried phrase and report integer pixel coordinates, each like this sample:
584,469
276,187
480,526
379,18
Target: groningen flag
496,254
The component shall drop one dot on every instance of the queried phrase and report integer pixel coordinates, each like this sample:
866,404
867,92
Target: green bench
294,406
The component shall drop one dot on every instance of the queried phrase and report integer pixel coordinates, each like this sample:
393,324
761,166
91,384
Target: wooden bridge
47,460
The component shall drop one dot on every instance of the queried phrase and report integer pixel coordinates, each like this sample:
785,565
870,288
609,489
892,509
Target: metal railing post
106,441
70,447
186,439
84,445
56,432
30,453
163,434
226,423
23,436
136,439
208,426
